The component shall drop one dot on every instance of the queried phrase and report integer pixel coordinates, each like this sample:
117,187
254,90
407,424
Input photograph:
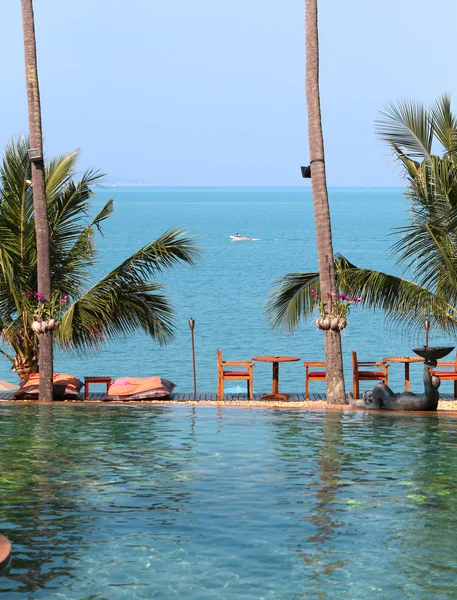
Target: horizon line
153,185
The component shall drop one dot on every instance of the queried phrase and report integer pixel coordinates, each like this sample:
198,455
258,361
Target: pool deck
189,397
295,400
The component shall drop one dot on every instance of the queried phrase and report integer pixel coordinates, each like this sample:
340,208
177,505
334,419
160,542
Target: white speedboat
240,238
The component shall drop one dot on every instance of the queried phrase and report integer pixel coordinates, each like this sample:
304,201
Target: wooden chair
313,375
233,374
448,374
380,374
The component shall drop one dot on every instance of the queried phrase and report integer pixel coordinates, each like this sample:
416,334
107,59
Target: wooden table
275,395
406,360
88,380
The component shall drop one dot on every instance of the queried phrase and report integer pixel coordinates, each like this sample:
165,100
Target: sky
211,92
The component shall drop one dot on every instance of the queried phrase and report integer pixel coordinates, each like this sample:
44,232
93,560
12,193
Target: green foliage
126,299
292,299
426,249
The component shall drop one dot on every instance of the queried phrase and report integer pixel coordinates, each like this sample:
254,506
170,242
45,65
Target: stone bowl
433,353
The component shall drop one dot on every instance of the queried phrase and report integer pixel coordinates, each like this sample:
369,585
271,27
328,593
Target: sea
226,292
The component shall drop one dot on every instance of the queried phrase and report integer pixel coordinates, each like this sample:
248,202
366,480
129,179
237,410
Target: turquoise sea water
141,502
227,291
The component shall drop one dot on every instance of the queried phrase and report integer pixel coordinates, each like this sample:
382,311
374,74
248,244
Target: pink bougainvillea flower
313,293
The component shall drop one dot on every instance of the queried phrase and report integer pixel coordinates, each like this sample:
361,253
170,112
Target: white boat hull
240,238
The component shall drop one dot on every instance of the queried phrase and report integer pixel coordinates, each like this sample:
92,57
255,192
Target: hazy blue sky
211,92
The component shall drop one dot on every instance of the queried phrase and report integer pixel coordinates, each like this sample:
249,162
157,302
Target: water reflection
320,513
325,559
63,481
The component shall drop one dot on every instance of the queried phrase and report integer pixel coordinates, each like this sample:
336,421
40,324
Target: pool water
141,502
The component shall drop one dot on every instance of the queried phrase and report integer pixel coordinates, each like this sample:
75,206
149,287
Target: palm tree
39,191
126,299
332,339
426,249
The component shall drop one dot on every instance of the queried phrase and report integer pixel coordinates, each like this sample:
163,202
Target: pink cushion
312,374
372,374
236,373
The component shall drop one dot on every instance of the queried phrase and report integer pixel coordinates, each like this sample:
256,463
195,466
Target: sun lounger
65,387
139,388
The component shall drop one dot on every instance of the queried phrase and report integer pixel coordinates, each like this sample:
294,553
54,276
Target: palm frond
68,209
444,178
60,170
292,299
7,356
445,123
126,299
408,126
15,170
71,268
404,302
411,166
106,212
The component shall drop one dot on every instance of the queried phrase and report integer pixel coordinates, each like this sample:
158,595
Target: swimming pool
114,502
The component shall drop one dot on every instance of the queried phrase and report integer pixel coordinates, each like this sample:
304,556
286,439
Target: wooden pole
192,327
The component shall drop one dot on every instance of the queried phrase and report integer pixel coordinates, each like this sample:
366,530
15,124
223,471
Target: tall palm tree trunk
332,339
39,191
